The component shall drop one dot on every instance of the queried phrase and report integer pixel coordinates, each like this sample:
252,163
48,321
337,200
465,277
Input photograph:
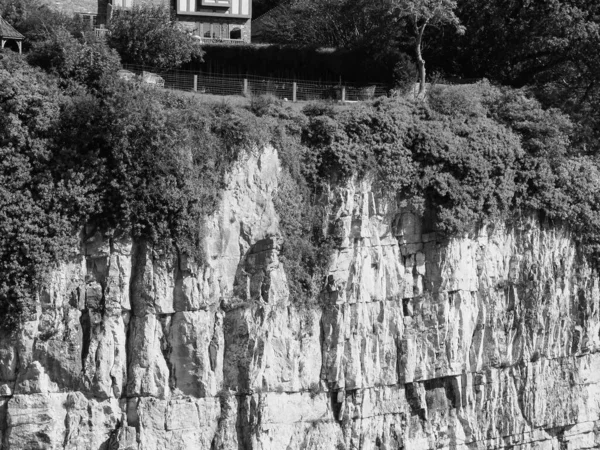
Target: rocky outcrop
486,341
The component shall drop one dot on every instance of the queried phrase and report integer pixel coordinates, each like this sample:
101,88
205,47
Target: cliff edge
486,341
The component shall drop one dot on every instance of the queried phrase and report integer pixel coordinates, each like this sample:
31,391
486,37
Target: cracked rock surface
487,341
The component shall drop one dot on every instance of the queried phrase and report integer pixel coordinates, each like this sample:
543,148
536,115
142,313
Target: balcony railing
100,32
205,40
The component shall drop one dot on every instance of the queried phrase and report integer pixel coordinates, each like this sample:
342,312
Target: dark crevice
414,401
213,346
86,330
245,421
336,399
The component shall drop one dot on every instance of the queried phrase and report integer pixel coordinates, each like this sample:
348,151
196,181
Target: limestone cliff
415,343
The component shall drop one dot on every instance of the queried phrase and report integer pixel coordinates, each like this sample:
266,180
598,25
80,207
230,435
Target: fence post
294,91
245,86
195,83
343,93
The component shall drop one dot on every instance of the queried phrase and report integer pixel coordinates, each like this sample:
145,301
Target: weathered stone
196,357
148,373
489,341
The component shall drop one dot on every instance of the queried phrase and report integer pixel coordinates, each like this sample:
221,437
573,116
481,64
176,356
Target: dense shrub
152,164
37,20
472,154
261,105
404,73
452,100
129,159
150,35
40,206
305,249
89,62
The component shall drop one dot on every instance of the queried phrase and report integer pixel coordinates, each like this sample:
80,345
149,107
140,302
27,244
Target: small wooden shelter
7,33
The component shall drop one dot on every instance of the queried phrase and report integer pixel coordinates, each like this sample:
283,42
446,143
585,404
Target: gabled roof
8,32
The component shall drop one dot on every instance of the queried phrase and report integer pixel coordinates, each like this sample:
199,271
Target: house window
206,32
89,20
217,31
224,3
213,30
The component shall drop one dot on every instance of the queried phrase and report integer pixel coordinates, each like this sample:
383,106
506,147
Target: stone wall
417,342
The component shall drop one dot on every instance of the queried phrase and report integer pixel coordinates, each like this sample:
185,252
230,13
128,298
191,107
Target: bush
261,105
473,154
41,205
404,74
91,63
452,100
132,159
37,21
305,249
150,36
315,109
152,164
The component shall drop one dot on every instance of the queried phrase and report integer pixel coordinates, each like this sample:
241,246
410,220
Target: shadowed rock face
416,342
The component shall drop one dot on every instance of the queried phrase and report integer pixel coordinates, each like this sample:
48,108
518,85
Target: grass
244,101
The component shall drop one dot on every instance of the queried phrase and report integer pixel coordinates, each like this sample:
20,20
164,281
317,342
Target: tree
259,7
87,61
549,47
345,24
150,35
358,27
424,13
37,21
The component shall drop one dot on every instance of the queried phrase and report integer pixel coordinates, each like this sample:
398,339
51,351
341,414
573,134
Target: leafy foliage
40,206
152,164
326,23
473,154
37,21
89,62
421,14
549,46
150,35
129,159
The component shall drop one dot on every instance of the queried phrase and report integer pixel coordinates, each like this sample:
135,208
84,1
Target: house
217,20
210,20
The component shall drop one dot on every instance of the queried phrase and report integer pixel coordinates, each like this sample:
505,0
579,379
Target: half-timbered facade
216,20
210,20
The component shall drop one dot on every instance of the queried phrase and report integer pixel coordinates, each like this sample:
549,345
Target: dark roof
8,32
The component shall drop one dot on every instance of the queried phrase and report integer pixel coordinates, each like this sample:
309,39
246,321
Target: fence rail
292,90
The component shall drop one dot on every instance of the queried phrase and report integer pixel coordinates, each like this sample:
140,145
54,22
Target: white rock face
481,342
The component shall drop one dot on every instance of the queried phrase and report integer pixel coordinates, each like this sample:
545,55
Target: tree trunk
420,60
421,67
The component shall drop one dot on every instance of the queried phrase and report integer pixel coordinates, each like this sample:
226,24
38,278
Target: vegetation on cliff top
122,157
470,154
81,150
